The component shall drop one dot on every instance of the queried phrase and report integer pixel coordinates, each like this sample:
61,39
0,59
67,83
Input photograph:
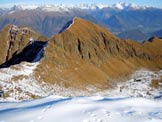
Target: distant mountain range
68,7
158,33
133,34
122,19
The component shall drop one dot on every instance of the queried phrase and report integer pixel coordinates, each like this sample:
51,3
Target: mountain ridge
86,54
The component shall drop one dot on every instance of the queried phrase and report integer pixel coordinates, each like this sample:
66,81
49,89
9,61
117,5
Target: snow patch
72,23
138,85
68,25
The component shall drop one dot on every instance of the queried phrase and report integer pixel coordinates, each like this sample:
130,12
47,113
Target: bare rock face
86,55
14,40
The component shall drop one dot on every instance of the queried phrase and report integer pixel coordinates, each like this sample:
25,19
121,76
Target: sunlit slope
87,55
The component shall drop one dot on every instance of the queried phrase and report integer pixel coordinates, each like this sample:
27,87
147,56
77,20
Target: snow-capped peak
57,7
124,5
68,7
24,7
119,5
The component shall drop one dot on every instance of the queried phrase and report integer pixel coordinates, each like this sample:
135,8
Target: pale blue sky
155,3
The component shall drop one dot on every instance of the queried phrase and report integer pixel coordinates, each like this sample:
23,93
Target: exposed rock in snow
139,85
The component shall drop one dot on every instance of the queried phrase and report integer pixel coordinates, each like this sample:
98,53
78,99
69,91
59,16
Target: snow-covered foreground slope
82,109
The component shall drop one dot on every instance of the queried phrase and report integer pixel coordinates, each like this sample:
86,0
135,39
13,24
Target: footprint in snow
107,113
157,115
150,118
128,113
96,120
48,107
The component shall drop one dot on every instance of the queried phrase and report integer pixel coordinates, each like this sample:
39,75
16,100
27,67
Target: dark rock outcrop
33,52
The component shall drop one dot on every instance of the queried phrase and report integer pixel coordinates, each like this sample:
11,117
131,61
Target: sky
154,3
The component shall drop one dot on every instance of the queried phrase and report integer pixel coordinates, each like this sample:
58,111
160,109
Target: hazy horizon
151,3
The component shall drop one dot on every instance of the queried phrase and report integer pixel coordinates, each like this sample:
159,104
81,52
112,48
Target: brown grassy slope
21,41
86,54
3,44
154,46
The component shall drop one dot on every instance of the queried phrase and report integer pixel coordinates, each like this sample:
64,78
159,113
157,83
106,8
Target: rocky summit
17,44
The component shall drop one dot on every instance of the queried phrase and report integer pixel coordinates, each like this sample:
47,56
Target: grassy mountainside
86,55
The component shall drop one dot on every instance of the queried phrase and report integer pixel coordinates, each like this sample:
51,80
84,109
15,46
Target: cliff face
86,55
14,40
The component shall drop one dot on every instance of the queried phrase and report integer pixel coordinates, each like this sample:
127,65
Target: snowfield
82,109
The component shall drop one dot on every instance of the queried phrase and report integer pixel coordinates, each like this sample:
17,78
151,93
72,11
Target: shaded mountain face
17,44
86,56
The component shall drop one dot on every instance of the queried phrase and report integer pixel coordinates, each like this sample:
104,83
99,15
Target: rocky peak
90,41
14,39
86,54
86,40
